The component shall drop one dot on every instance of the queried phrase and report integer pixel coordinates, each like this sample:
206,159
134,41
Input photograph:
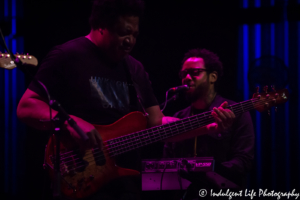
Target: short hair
105,13
211,60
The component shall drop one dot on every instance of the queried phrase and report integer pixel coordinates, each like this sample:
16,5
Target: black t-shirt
78,75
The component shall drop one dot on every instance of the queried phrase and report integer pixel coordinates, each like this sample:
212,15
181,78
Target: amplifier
163,173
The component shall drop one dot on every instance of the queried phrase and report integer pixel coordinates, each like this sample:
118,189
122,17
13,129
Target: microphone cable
175,90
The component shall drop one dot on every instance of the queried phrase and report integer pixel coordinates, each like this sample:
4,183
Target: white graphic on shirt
111,94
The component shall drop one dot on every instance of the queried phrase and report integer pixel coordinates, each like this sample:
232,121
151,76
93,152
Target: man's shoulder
74,45
131,61
67,51
183,113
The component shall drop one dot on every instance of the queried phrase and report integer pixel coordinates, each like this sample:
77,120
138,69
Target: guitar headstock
7,63
265,100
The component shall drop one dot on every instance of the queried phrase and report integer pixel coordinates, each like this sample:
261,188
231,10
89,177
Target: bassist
97,81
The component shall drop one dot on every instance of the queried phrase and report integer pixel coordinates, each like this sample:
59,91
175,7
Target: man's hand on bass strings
224,118
95,139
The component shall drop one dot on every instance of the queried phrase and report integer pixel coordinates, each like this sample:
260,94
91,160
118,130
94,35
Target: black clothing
232,150
87,85
79,76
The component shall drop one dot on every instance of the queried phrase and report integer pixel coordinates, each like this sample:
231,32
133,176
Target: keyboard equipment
162,174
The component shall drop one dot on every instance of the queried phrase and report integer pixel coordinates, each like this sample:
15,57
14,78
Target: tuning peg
28,56
257,89
266,89
18,55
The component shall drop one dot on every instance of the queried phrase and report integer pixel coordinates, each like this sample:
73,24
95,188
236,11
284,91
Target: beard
199,92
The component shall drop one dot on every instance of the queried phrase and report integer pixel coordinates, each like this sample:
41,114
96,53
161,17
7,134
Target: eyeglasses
191,72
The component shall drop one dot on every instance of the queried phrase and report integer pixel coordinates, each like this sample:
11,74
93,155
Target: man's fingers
223,117
231,114
219,112
166,120
212,126
95,138
226,112
216,116
224,104
218,124
92,137
99,139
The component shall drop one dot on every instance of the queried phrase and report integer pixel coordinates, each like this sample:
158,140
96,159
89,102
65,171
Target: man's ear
213,77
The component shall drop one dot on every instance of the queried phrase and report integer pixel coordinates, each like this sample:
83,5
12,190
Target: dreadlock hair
105,13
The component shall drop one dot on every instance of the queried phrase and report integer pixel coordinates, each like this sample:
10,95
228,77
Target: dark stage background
238,31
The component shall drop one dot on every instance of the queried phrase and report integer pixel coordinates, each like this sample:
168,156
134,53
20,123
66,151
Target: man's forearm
35,113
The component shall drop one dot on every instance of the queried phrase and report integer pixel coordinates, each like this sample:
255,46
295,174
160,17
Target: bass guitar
83,175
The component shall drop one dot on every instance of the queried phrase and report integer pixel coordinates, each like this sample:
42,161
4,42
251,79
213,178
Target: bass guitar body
83,174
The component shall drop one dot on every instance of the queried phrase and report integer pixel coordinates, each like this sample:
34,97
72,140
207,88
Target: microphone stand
173,98
57,175
59,121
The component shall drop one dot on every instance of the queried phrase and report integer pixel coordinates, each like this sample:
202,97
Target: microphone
180,88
